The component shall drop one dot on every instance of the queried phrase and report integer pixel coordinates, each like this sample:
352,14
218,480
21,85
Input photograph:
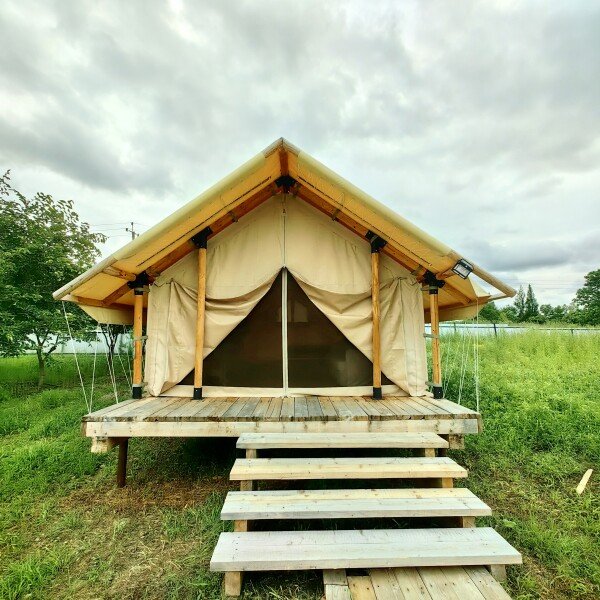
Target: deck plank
274,411
300,408
329,412
314,408
287,409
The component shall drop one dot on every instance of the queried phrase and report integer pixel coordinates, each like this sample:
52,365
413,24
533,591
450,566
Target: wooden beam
118,293
397,255
201,241
232,216
138,312
98,303
436,361
112,271
376,319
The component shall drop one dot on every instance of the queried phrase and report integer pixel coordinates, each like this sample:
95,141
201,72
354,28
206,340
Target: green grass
65,531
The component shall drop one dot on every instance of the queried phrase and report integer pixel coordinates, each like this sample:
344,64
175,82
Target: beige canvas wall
331,264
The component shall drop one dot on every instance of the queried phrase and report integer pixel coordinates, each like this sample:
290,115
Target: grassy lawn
66,532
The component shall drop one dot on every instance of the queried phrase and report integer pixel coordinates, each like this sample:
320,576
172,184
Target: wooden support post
251,453
246,485
376,245
467,521
138,315
426,452
240,526
122,463
498,572
200,240
434,313
233,583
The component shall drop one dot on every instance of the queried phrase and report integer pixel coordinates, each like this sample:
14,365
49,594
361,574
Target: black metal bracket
377,395
434,284
286,182
376,242
141,280
438,392
200,240
197,393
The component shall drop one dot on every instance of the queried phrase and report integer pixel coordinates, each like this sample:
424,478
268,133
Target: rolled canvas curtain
331,264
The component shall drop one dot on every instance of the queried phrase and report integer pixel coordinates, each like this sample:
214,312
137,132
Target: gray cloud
479,121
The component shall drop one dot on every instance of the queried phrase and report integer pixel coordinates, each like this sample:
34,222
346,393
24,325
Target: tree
490,313
111,334
587,300
43,245
519,305
532,309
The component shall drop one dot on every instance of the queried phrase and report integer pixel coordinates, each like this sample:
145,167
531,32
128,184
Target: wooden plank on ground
335,577
345,468
411,584
344,549
353,504
486,584
263,441
361,588
337,592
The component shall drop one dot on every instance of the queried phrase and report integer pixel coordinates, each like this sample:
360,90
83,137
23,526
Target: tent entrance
286,342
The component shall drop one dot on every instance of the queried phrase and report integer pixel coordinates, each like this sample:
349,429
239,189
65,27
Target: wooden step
353,504
261,441
361,549
245,469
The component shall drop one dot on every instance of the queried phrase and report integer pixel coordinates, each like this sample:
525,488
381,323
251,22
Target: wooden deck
230,417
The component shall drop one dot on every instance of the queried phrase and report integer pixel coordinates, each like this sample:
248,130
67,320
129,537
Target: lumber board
341,440
343,549
353,504
361,588
345,468
216,428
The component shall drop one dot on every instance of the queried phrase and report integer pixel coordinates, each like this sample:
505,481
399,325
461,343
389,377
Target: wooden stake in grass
584,481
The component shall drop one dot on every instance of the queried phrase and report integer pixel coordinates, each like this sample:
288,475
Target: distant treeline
584,309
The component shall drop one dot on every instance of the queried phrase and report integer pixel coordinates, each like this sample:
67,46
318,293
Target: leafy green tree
490,313
532,309
43,245
587,300
520,305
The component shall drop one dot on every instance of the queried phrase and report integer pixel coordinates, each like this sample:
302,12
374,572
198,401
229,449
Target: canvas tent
287,296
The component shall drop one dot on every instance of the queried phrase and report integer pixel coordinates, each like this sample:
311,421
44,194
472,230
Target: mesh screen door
318,354
251,355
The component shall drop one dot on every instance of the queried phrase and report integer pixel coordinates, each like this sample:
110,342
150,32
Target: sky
477,121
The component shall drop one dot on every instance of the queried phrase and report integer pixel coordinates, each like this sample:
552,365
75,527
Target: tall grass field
67,532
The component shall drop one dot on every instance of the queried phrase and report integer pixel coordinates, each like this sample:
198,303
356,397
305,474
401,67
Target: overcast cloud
479,122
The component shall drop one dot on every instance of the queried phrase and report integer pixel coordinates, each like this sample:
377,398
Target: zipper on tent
284,306
284,329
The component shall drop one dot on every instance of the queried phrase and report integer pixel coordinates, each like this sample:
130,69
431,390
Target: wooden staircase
389,556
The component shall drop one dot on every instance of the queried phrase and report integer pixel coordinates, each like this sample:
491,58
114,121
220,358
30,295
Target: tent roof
103,290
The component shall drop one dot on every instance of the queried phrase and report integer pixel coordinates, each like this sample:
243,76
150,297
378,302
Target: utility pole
134,233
